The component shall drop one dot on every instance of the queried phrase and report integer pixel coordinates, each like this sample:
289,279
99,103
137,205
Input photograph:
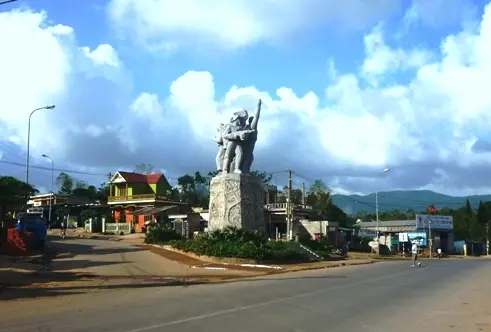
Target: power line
49,168
4,2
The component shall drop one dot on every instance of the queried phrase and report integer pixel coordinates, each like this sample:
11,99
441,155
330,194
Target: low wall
117,228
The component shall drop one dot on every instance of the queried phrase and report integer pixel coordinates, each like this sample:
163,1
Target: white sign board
437,222
403,237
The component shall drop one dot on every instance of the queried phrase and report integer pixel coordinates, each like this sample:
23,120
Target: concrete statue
236,141
236,196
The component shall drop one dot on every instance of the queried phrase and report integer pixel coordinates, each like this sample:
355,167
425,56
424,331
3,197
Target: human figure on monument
234,148
222,144
250,142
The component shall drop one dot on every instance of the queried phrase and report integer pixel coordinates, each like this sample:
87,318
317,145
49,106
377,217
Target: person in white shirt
414,251
439,253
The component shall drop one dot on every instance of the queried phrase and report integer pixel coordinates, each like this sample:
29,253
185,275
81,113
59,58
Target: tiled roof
391,223
137,177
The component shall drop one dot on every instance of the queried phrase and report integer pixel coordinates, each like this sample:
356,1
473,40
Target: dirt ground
191,261
91,265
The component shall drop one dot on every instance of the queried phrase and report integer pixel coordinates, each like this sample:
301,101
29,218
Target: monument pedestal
236,200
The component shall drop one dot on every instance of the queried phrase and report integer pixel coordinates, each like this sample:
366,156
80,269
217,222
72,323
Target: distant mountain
417,200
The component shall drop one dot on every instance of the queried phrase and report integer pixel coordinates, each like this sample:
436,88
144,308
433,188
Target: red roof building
129,192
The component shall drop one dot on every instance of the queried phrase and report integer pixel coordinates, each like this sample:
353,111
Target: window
123,191
147,217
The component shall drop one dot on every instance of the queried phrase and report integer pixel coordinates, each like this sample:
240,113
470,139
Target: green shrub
322,247
238,243
159,233
284,251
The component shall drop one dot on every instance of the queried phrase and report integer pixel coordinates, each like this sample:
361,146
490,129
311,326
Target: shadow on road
71,248
38,285
49,284
24,275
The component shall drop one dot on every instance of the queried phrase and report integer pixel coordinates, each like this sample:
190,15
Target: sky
349,88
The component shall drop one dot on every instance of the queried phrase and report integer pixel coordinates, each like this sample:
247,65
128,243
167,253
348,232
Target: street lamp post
50,107
376,205
52,184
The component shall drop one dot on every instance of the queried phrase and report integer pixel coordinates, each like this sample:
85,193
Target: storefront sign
437,222
403,237
419,237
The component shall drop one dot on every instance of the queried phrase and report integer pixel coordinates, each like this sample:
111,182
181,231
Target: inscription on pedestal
236,200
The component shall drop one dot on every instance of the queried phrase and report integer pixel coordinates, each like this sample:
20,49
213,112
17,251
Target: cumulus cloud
425,129
233,24
42,64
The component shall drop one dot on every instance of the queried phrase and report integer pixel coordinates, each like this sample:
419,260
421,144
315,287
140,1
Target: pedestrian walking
414,251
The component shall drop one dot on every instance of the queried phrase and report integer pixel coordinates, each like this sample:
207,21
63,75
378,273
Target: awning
153,210
345,229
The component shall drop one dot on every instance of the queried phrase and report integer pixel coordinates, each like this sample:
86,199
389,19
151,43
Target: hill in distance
403,200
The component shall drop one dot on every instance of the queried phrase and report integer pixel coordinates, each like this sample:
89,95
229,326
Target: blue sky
301,64
364,108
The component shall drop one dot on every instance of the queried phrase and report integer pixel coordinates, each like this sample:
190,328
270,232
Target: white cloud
41,64
233,24
103,55
426,130
440,13
383,60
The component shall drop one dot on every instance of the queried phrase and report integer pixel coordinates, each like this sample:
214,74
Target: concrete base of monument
236,200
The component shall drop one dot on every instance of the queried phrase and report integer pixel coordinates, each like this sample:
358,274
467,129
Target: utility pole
289,208
303,195
52,185
430,240
487,238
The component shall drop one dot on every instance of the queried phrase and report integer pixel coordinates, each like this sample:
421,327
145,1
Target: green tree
144,168
102,193
194,189
14,194
265,176
174,195
296,196
86,191
66,183
484,213
322,207
468,208
318,186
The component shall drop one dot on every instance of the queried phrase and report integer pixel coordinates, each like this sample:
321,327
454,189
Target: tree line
469,224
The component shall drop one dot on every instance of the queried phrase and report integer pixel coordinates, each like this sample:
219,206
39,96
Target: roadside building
140,199
42,202
275,216
417,230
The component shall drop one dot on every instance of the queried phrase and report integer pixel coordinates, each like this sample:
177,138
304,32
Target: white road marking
260,304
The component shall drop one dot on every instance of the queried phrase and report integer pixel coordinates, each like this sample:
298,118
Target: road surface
446,295
118,259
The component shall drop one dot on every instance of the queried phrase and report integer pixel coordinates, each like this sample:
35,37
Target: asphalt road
446,295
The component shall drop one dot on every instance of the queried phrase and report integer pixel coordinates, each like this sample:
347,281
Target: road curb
333,265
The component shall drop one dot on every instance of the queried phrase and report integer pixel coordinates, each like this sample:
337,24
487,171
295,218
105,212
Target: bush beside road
238,243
